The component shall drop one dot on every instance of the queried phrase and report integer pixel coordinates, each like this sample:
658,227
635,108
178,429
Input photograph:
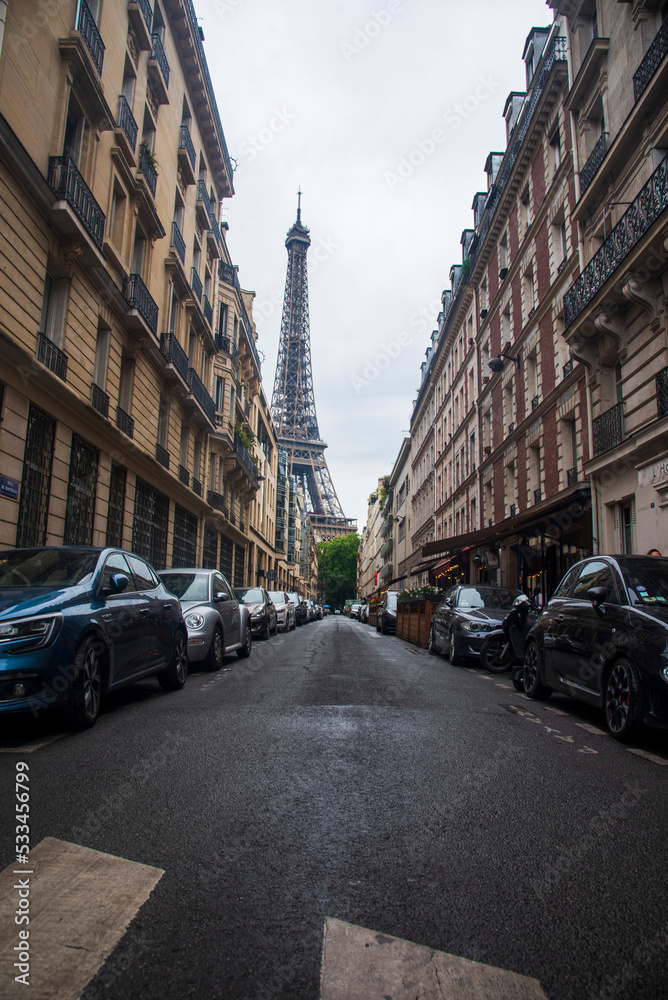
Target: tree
337,568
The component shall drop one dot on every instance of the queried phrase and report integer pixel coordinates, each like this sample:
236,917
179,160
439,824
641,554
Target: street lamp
496,364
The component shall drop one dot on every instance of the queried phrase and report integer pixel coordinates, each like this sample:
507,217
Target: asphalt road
340,773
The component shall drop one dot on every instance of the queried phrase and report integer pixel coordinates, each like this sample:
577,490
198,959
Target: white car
285,610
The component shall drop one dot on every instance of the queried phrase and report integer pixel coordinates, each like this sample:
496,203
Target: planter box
414,619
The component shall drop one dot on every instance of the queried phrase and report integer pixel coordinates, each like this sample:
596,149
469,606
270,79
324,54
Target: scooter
503,648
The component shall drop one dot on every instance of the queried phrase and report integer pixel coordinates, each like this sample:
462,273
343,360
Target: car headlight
31,633
257,614
195,620
476,626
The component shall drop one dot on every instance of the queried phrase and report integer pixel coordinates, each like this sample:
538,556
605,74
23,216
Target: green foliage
247,439
337,568
428,592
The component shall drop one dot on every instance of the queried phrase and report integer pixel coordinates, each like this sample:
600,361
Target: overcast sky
384,113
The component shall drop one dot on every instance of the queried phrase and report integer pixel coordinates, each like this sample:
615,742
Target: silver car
285,610
217,624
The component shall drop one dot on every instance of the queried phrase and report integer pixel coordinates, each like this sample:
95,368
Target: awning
576,497
445,563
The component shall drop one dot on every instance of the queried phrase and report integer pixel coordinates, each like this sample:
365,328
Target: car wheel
531,675
455,659
86,690
294,625
496,655
176,674
431,645
214,658
517,684
245,650
266,631
275,628
623,700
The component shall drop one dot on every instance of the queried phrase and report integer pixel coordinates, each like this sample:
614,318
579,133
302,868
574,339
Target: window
219,391
74,142
116,509
149,529
503,252
101,356
129,81
144,577
163,423
506,332
555,150
526,207
184,446
116,563
126,387
36,480
139,253
80,507
594,574
627,519
529,291
54,309
197,459
222,320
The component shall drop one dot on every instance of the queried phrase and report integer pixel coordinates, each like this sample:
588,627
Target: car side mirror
219,596
118,582
597,595
449,603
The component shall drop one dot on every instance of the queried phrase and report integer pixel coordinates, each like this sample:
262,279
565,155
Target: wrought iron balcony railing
185,142
215,228
203,196
196,386
568,367
651,62
87,28
162,455
127,123
68,185
184,475
196,284
217,501
51,356
124,422
246,459
147,12
147,169
513,509
572,476
196,486
178,242
137,296
556,52
222,343
636,220
99,400
228,274
207,309
158,53
537,496
594,161
662,393
174,354
535,402
608,429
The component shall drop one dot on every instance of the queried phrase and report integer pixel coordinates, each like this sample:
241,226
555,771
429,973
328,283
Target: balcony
572,476
217,501
127,124
87,28
203,205
99,400
386,548
213,237
178,243
662,393
174,354
184,475
207,310
162,455
608,429
70,188
649,204
537,496
51,356
141,19
196,486
186,155
651,62
513,510
147,169
222,343
201,396
228,274
246,460
124,422
568,367
142,306
158,69
196,284
593,162
535,402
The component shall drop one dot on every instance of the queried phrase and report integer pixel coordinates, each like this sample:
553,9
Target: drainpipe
3,14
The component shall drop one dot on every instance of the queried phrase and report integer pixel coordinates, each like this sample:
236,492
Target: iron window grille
116,509
99,400
608,429
162,455
185,537
226,551
36,480
662,393
150,525
51,356
239,565
210,549
80,508
572,476
124,422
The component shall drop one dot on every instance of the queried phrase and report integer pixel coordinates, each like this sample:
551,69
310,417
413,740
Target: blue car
77,622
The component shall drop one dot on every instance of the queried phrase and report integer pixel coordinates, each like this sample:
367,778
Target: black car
386,616
263,618
301,611
467,612
603,639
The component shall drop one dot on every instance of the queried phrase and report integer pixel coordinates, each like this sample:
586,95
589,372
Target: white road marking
648,756
360,964
484,677
508,687
591,729
471,670
555,711
81,902
31,747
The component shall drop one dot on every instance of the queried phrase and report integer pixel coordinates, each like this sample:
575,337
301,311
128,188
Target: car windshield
277,596
250,595
647,581
486,597
392,602
187,586
52,568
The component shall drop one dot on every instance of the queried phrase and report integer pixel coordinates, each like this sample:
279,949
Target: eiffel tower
293,401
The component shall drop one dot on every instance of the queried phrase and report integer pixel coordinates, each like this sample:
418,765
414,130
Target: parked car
285,610
603,639
300,608
465,615
355,610
319,612
310,609
363,613
217,624
78,622
263,618
386,615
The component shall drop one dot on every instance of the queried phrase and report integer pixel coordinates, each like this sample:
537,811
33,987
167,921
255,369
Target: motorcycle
504,647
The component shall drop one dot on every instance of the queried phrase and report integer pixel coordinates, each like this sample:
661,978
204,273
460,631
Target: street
341,774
